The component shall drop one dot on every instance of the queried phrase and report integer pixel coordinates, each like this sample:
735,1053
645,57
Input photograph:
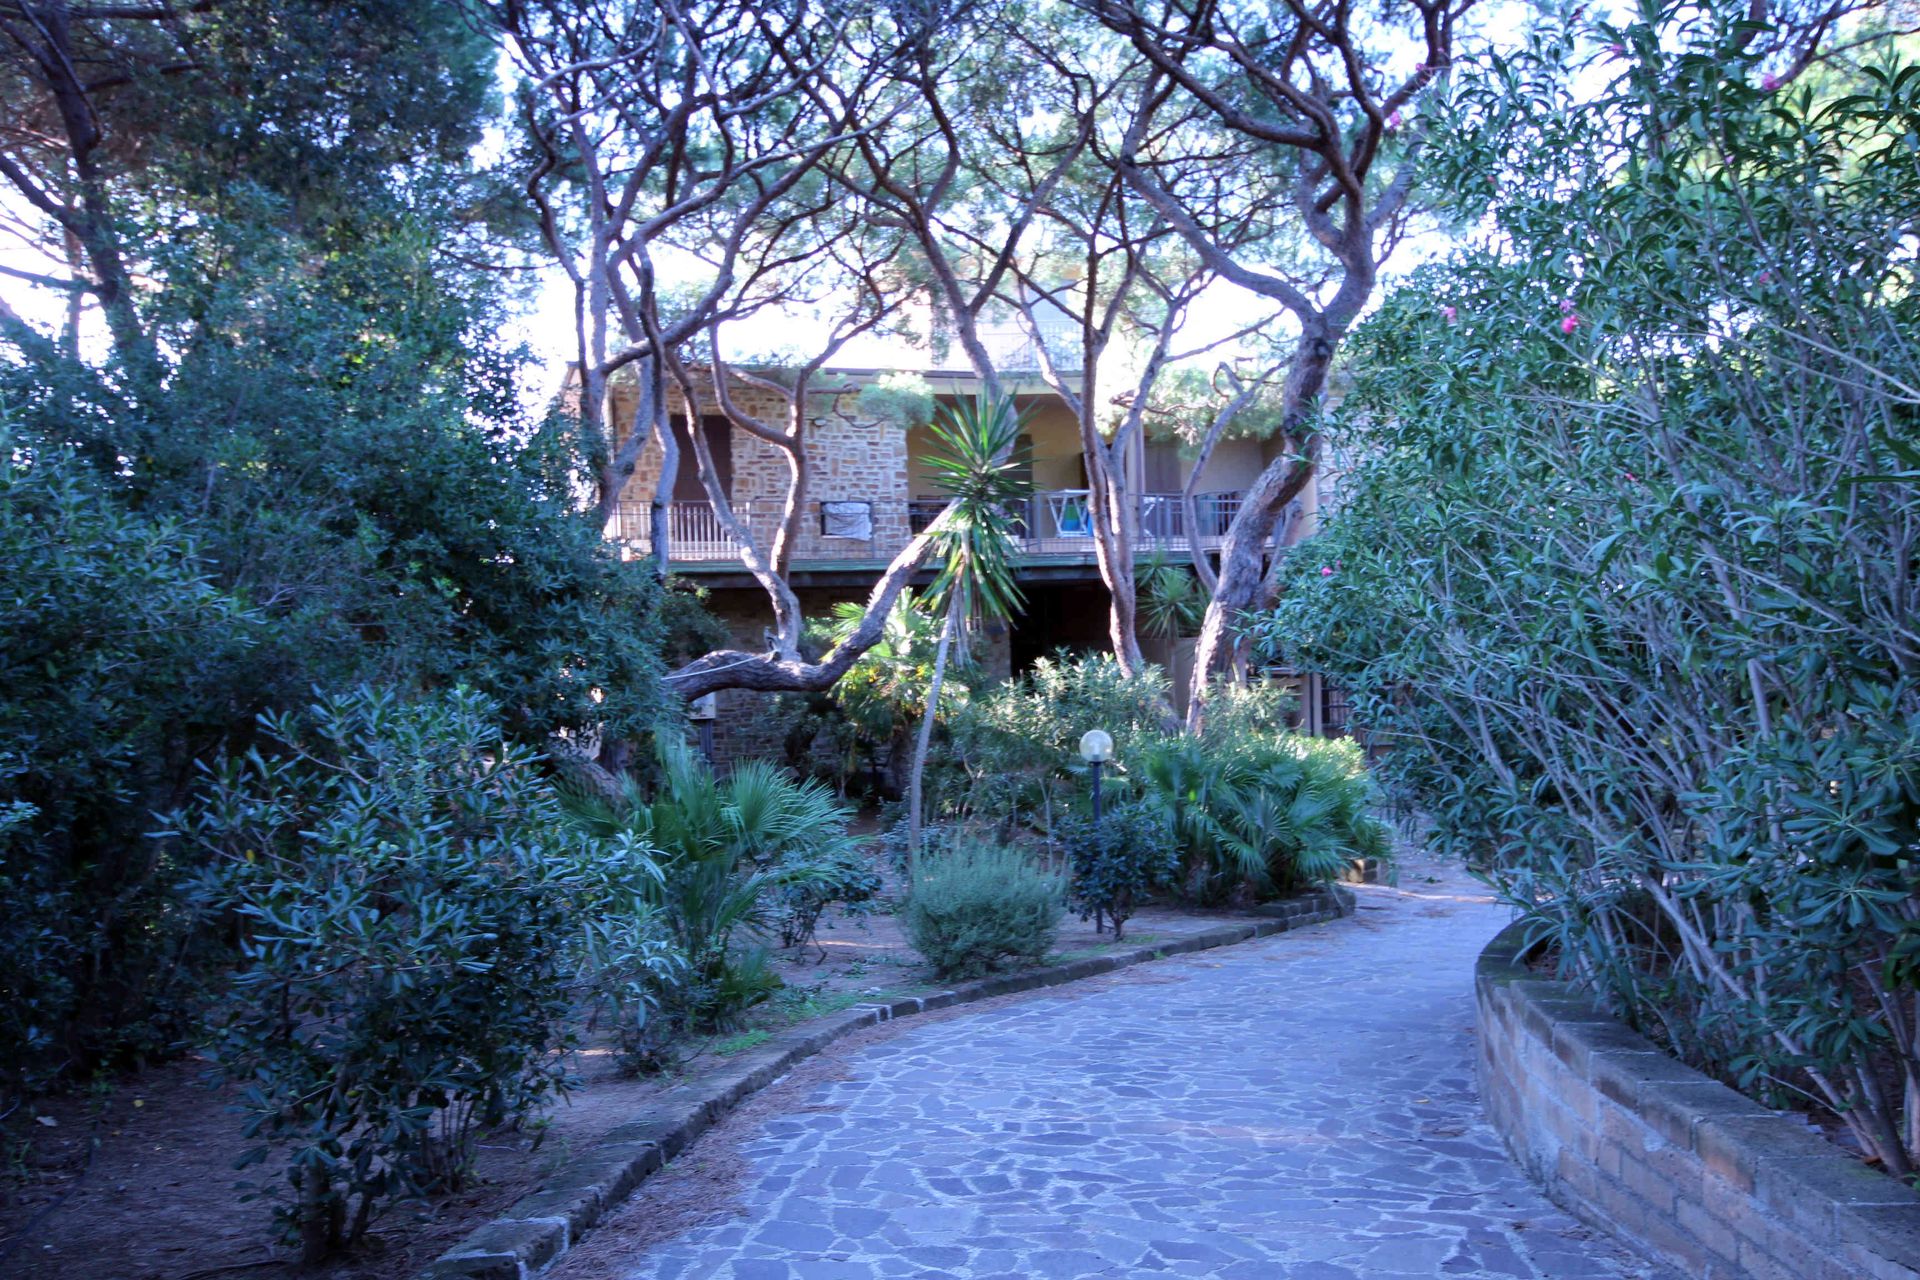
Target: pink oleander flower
1617,50
1765,276
1326,571
1393,121
1631,478
1569,324
1449,313
1566,306
1769,82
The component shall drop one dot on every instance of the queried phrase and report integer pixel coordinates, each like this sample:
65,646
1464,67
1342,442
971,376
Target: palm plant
974,546
1274,814
716,846
1282,823
1172,602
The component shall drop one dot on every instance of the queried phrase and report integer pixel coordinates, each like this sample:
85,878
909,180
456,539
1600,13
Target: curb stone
544,1225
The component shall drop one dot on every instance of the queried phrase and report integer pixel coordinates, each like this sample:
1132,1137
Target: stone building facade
868,486
850,460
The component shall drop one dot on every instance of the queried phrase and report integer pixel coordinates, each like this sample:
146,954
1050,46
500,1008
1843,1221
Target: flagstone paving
1301,1108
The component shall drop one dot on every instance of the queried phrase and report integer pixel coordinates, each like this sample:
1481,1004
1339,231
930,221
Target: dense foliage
1015,748
975,905
863,726
407,903
1247,807
1624,579
298,458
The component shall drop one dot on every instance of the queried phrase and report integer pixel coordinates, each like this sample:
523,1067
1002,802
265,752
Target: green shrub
843,877
1248,806
978,905
406,900
1016,746
727,853
1624,584
1117,863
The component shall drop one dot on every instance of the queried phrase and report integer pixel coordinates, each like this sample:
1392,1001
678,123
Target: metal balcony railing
1054,523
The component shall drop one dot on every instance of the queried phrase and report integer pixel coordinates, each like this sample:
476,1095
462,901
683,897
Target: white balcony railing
1052,524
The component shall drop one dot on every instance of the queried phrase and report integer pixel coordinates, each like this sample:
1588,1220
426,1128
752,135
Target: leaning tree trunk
925,741
1242,580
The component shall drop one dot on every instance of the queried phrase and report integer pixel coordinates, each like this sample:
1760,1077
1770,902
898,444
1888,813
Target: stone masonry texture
1696,1174
1297,1108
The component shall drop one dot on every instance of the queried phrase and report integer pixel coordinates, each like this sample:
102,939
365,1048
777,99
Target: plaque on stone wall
847,520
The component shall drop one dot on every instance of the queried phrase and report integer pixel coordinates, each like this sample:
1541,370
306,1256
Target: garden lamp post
1096,748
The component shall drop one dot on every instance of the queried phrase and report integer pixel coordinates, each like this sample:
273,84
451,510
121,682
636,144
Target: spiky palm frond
1171,602
976,539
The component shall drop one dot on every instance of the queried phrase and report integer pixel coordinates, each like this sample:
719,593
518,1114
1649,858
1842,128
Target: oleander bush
977,905
407,907
1623,578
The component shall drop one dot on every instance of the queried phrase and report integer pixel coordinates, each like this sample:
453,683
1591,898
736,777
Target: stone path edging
1631,1139
544,1225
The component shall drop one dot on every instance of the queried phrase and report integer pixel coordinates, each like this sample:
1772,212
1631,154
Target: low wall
1629,1139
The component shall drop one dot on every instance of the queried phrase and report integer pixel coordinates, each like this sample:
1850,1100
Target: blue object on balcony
1071,517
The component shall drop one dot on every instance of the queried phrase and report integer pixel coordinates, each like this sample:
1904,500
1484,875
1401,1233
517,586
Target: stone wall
847,461
1694,1173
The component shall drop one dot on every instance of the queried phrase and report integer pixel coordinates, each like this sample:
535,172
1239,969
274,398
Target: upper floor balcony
1053,526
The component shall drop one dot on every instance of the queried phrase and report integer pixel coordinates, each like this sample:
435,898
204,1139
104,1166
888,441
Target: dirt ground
135,1181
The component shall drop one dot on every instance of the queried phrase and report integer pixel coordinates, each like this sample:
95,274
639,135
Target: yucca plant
1171,600
974,547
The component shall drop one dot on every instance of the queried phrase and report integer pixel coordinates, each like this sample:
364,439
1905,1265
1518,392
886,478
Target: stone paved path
1300,1108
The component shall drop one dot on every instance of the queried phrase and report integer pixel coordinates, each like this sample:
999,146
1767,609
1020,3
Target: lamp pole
1096,748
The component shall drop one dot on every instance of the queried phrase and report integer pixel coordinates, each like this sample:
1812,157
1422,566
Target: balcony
1053,526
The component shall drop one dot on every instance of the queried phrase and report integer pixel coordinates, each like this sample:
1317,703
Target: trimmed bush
979,905
1117,862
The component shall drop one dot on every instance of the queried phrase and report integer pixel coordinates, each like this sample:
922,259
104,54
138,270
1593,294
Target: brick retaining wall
1630,1139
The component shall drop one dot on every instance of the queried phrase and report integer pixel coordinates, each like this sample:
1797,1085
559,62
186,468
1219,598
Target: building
870,490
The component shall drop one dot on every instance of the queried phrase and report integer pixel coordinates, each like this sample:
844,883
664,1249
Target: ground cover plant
1623,581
